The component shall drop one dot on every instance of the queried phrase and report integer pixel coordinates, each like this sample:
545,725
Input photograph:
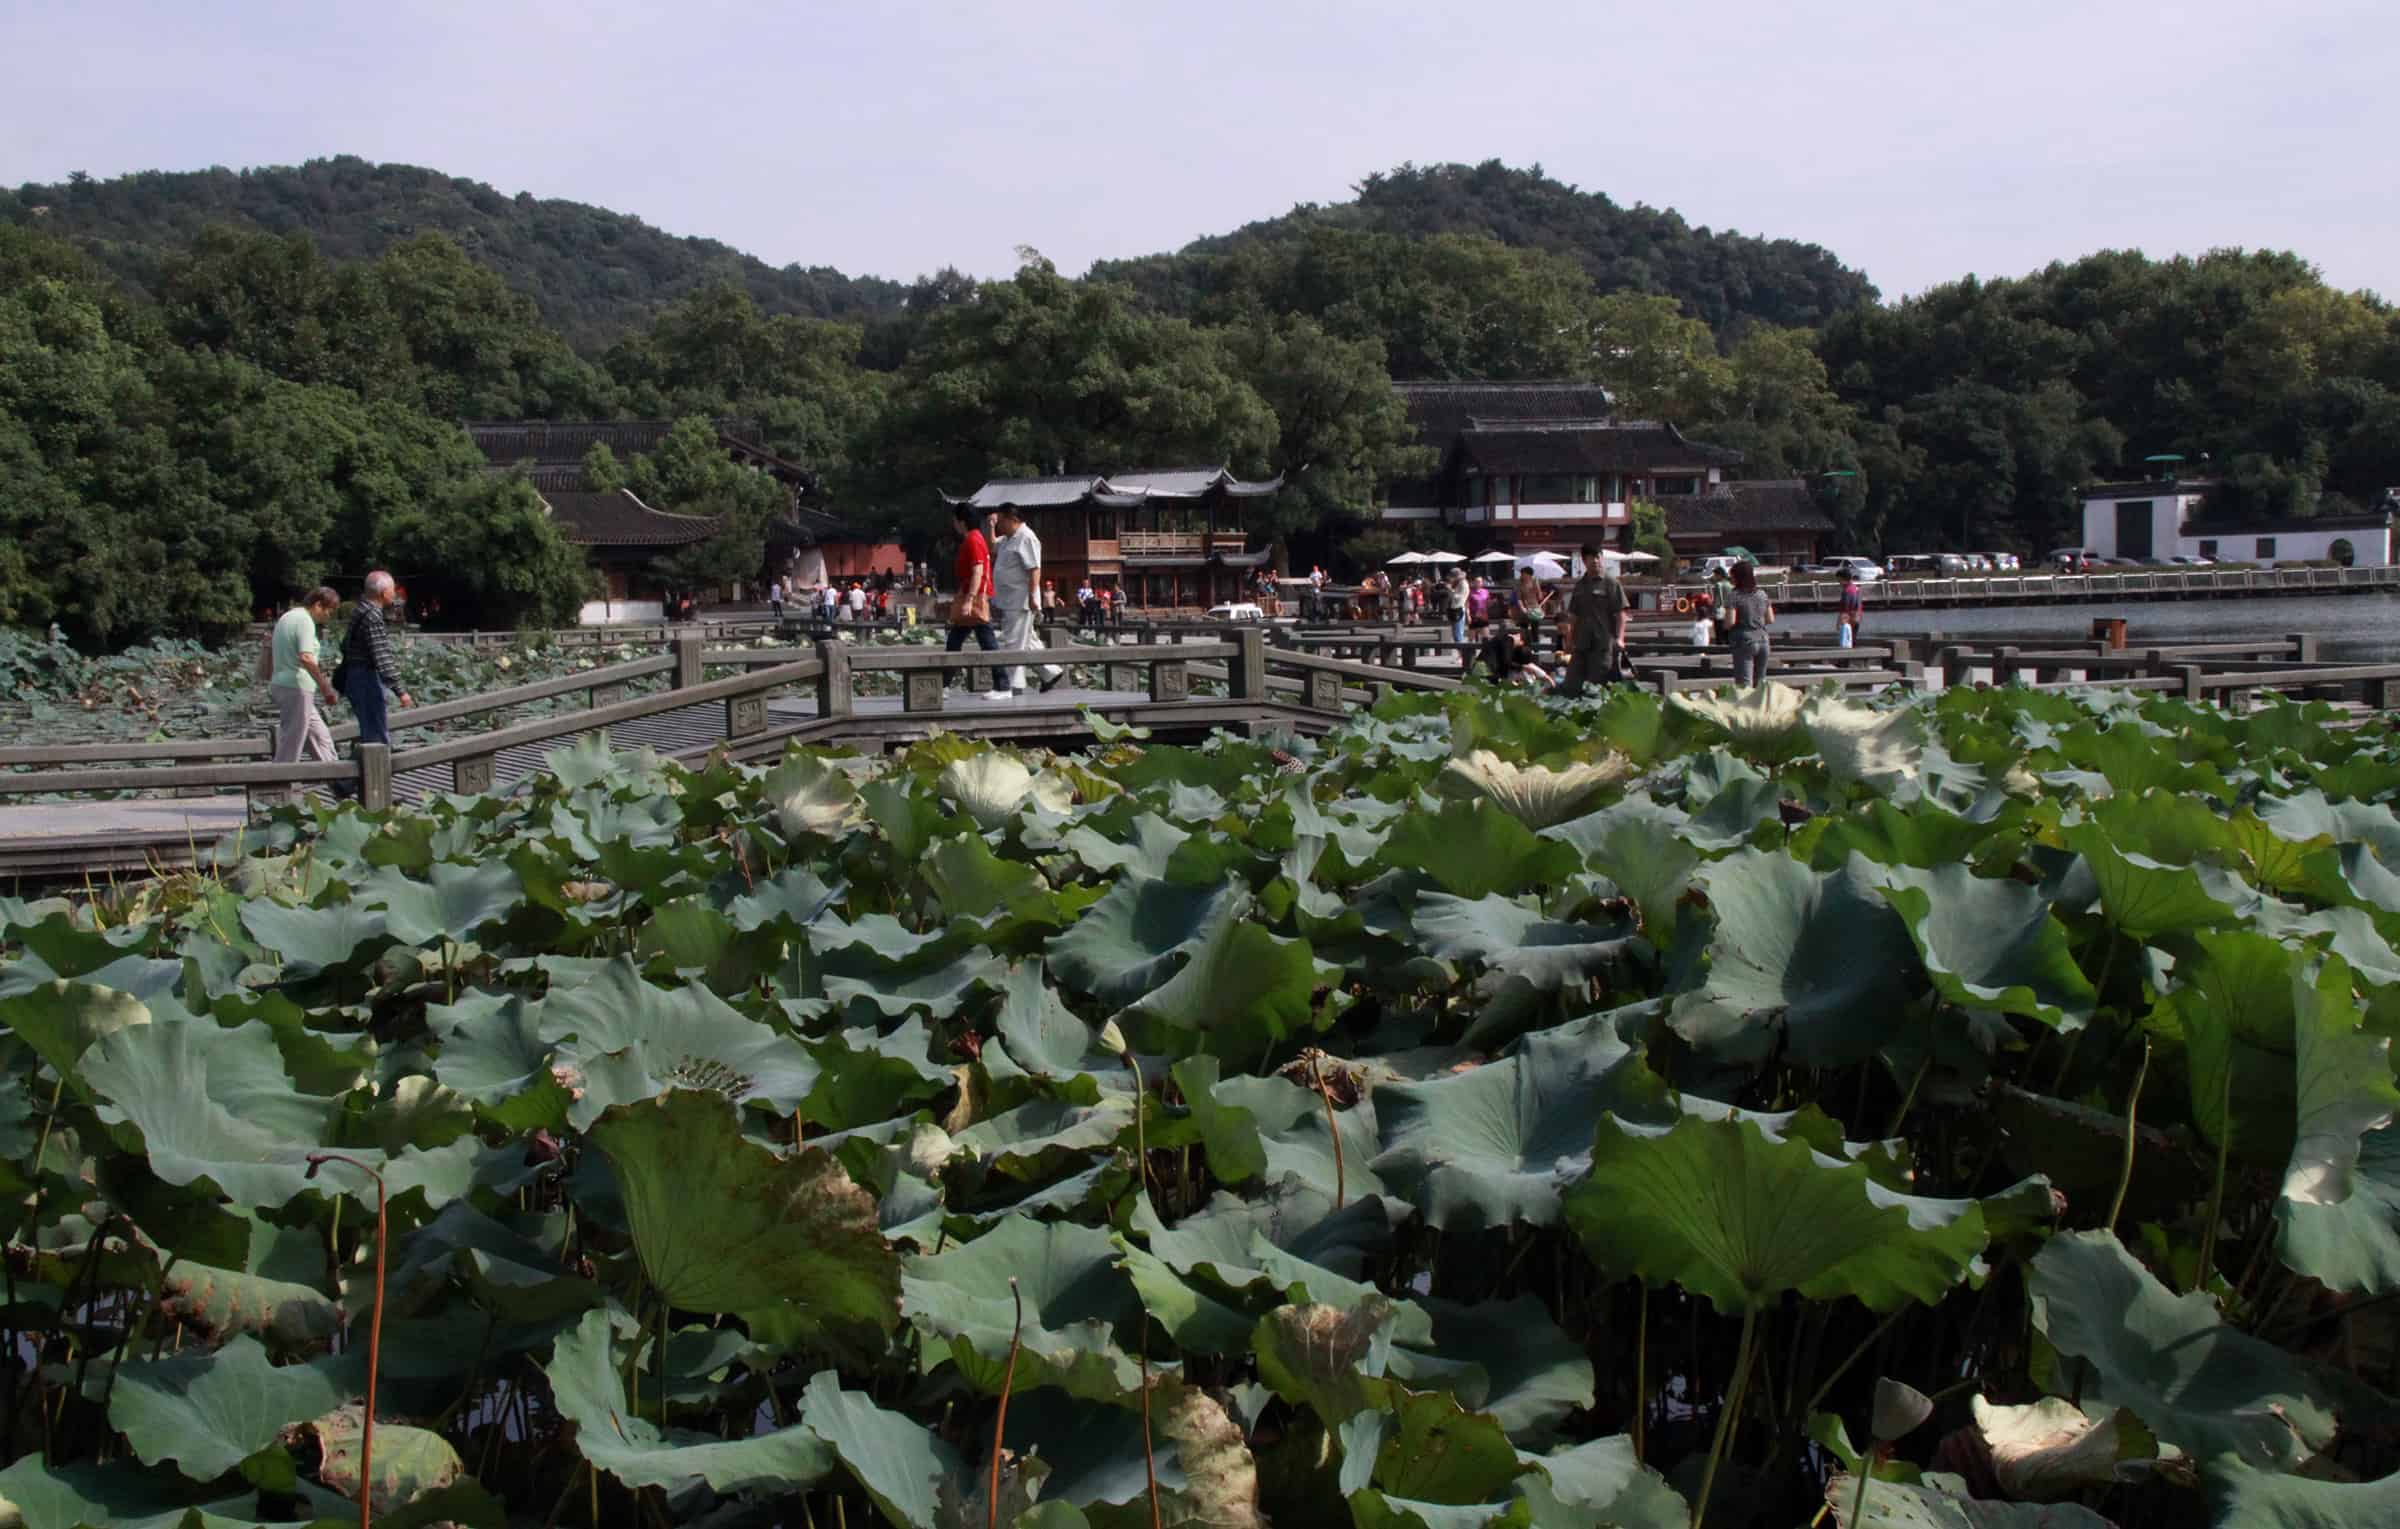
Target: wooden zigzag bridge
74,810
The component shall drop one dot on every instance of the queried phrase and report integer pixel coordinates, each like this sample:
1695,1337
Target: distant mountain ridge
1721,278
595,274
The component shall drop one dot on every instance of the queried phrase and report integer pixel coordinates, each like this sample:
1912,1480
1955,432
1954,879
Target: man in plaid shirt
367,662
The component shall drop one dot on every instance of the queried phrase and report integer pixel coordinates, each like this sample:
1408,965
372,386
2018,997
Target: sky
1918,142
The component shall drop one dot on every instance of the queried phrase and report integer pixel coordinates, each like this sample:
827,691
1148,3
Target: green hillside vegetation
199,418
1724,279
594,273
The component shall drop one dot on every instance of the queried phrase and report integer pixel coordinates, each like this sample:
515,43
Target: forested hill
595,274
1720,278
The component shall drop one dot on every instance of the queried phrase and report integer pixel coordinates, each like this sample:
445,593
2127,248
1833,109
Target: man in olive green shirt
298,679
1597,610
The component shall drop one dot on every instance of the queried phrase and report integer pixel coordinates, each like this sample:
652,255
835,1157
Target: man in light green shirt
298,679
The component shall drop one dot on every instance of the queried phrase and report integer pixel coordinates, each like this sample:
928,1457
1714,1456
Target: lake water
2363,628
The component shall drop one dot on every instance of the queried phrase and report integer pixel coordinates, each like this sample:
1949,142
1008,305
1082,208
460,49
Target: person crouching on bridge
297,679
367,665
1016,575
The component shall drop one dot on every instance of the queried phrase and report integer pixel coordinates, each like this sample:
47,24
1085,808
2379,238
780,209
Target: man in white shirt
1016,575
858,601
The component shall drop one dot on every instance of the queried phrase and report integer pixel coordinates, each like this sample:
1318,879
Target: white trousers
299,729
1017,635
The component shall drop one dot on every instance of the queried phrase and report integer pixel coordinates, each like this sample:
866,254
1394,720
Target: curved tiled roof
1584,446
1116,491
622,520
1761,504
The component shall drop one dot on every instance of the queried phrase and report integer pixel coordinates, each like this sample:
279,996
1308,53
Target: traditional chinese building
1167,539
1532,466
624,536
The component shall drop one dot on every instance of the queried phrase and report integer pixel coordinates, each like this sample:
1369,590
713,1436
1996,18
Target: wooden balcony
1157,543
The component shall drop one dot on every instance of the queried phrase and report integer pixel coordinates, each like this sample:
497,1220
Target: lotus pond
1976,1110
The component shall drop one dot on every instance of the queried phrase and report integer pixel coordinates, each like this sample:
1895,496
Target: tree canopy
218,389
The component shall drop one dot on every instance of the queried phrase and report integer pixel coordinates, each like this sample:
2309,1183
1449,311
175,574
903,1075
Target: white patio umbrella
1445,557
1405,557
1494,556
1629,557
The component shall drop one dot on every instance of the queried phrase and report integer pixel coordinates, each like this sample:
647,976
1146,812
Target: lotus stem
2133,1105
1149,1456
1641,1369
1910,1097
1733,1405
1141,1137
366,1434
1008,1378
1341,1177
1866,1473
2216,1188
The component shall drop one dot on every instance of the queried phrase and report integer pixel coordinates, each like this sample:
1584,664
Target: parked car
1951,564
2073,559
1977,562
1911,564
1865,570
2186,560
1239,610
2006,562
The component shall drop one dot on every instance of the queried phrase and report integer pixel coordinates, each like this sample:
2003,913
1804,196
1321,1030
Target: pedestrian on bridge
1596,619
296,679
1016,575
367,665
971,607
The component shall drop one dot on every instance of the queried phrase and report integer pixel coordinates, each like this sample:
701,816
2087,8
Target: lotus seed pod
1898,1409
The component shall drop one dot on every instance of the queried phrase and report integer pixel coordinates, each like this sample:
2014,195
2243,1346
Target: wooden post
606,695
923,689
1664,682
745,715
2191,675
687,660
833,685
2383,695
2304,647
2004,666
1246,676
375,776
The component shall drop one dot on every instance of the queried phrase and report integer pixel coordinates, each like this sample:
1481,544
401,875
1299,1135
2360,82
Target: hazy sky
1919,141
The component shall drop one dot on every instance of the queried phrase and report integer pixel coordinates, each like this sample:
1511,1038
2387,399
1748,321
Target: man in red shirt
971,607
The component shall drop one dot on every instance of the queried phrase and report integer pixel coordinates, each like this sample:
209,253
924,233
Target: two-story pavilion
1535,466
1166,539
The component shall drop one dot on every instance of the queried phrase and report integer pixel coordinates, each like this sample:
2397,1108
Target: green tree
488,555
1341,432
1043,375
1649,525
1655,362
1779,410
690,474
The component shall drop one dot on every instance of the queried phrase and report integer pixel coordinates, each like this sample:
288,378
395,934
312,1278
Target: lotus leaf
409,1464
1818,966
450,904
1899,1505
1766,722
1517,941
2244,1496
589,1389
1075,1298
1243,990
1534,796
1474,849
2054,1449
811,796
723,1224
313,940
898,1462
2198,1384
1497,1144
620,1039
1991,944
208,1412
1732,1214
1138,935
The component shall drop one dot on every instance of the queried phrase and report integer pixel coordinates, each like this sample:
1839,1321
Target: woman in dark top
1751,613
